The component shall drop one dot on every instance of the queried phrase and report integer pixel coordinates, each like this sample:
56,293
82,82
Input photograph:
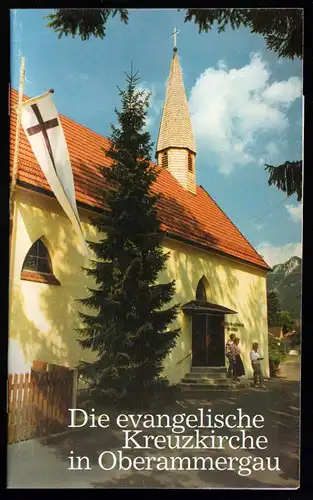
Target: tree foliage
276,353
281,28
287,177
130,330
286,321
83,22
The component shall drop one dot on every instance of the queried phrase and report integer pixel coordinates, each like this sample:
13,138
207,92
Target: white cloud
230,108
145,89
278,255
150,121
295,212
272,149
283,92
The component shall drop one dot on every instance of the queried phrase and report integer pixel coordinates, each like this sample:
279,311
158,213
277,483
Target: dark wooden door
208,340
216,339
198,340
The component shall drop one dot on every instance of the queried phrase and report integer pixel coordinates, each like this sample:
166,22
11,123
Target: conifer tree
130,326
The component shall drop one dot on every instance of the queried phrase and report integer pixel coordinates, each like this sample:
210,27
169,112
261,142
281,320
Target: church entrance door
208,340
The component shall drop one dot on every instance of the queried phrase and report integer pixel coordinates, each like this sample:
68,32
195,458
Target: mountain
285,279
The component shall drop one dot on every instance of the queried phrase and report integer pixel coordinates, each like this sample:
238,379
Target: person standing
256,357
229,343
238,368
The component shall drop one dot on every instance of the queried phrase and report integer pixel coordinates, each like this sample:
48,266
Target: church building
220,278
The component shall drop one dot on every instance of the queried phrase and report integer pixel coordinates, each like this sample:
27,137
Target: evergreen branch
282,29
287,178
83,22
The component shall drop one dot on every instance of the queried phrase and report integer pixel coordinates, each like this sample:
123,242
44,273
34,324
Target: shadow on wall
178,268
44,317
231,284
257,322
24,334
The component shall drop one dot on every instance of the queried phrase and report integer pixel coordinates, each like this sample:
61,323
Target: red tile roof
196,219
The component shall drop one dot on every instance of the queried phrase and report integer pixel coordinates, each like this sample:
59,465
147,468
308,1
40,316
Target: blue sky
245,104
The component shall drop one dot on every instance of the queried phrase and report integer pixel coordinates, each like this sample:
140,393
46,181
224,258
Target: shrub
276,353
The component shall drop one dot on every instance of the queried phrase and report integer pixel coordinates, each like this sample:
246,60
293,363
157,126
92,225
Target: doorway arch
207,330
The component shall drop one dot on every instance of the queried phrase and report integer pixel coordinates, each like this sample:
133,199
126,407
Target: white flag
44,131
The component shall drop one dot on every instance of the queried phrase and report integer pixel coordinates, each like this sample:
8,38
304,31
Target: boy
255,357
229,356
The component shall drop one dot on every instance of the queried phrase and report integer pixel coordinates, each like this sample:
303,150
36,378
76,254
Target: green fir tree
130,330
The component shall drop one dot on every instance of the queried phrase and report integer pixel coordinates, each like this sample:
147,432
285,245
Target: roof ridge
175,200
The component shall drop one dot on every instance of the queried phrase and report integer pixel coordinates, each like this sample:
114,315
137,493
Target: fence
38,403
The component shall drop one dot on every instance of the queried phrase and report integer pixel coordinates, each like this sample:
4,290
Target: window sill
49,279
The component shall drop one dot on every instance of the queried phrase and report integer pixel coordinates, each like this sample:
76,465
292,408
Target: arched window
38,259
201,292
37,265
165,159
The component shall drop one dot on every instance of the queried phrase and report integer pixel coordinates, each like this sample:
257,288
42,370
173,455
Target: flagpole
17,140
15,171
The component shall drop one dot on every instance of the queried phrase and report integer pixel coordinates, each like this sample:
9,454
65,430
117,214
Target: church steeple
176,148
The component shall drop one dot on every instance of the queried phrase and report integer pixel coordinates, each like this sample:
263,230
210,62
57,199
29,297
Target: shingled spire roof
175,129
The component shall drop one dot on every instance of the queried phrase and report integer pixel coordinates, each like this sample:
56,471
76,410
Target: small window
38,259
190,162
165,159
37,265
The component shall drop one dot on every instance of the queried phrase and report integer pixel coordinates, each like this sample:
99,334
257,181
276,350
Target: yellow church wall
231,284
43,318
